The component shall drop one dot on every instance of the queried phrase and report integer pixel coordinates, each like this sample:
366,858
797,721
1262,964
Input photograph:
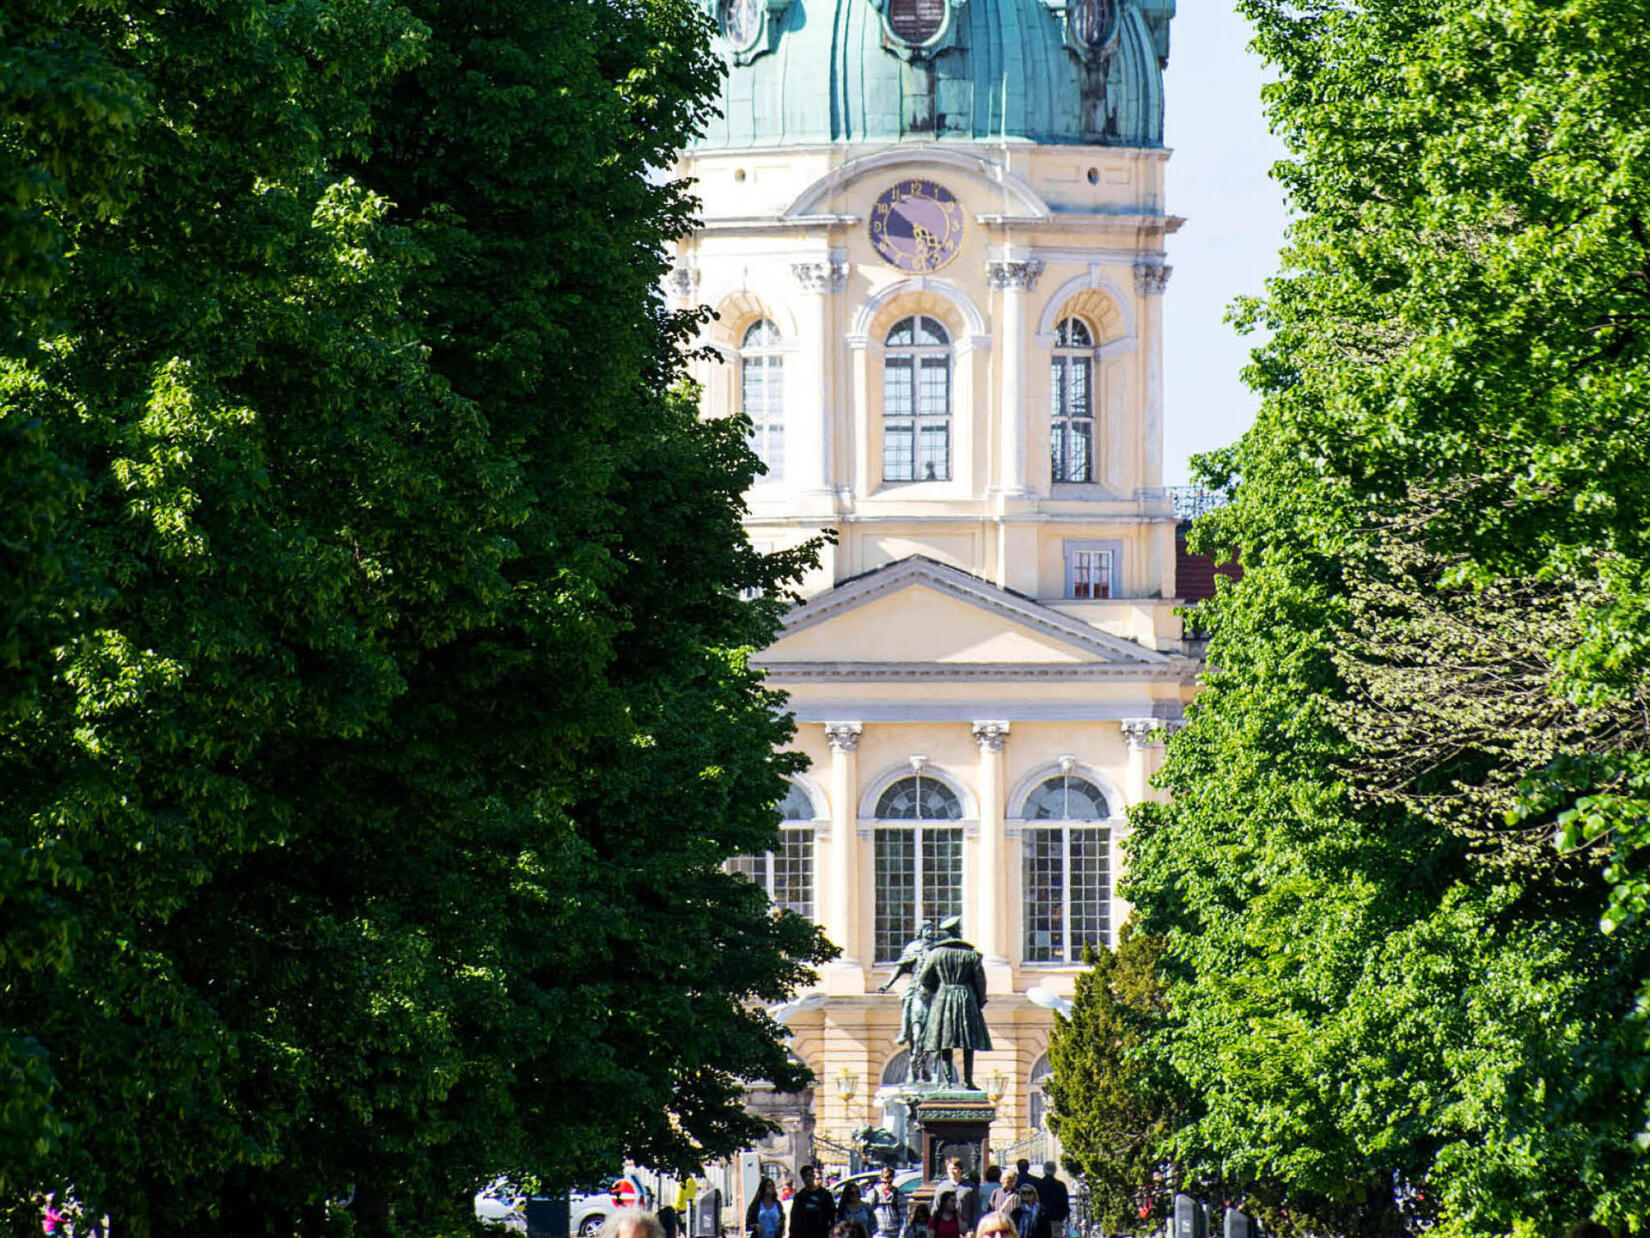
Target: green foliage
1388,993
1111,1116
377,715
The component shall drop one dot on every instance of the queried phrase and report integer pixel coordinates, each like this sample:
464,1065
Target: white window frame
1104,829
1059,414
917,354
766,861
770,430
1073,547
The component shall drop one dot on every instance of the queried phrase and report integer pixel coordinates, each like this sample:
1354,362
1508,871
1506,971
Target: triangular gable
917,611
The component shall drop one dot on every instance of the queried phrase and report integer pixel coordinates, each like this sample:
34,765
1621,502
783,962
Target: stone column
1150,279
1014,280
840,899
989,918
1139,735
808,394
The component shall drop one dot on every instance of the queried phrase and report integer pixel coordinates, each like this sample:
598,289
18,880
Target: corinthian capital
1022,276
1151,278
990,735
843,736
1139,733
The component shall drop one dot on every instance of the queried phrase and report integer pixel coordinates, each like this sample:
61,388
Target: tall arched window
1037,1088
918,864
1071,381
916,401
1067,868
762,393
788,873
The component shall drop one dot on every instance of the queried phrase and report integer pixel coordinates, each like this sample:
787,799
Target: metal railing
1190,502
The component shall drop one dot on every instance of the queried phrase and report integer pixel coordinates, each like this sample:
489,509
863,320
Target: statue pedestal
956,1122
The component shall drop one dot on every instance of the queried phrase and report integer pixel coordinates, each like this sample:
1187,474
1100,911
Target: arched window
1071,383
916,401
788,873
898,1069
1037,1088
918,865
762,393
1067,869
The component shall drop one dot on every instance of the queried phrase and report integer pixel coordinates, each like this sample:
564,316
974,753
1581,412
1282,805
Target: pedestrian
1587,1229
1007,1196
921,1224
852,1208
1056,1200
849,1229
993,1224
670,1221
1022,1168
631,1223
993,1180
966,1194
887,1209
947,1224
765,1218
813,1211
1030,1219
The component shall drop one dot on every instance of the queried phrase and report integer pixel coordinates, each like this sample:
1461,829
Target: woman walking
765,1218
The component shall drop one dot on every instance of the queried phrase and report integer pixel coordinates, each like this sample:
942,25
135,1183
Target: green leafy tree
378,716
1391,998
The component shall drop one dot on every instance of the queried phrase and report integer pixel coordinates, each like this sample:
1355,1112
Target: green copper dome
810,71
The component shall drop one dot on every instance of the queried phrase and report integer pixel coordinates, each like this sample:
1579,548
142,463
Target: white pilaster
841,920
810,411
1014,279
990,920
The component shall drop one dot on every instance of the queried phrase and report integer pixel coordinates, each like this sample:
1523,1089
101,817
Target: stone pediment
919,618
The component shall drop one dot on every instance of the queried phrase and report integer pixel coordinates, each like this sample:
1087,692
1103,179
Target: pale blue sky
1234,225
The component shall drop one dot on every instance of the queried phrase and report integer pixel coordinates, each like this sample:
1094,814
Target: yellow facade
940,635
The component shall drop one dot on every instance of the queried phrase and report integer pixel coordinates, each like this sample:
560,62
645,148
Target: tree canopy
1392,996
377,715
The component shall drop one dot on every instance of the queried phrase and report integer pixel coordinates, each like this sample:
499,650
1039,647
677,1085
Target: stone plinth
954,1122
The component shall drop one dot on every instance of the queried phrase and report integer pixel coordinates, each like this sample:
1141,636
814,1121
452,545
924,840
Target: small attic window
916,21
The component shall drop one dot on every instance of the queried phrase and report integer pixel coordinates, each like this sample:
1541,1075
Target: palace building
933,232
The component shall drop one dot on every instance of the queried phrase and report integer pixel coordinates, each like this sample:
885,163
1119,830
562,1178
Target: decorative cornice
990,735
830,275
1021,276
1141,733
843,736
1151,278
1179,670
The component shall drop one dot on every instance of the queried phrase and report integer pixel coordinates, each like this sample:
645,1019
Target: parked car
588,1209
499,1203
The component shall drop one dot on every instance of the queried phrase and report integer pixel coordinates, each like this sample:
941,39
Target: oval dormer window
741,21
916,21
1092,22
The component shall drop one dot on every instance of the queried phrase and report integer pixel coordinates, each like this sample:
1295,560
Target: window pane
902,332
1066,799
1044,896
918,798
793,871
941,873
1090,889
796,806
1079,404
931,333
936,387
751,866
895,920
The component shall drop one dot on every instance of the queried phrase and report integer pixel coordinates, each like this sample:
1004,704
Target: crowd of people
1011,1204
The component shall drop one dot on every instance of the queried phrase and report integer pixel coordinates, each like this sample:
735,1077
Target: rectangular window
787,874
918,878
762,397
1091,570
1071,431
1067,891
916,418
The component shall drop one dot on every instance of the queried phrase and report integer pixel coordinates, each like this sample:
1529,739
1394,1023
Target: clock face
917,225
